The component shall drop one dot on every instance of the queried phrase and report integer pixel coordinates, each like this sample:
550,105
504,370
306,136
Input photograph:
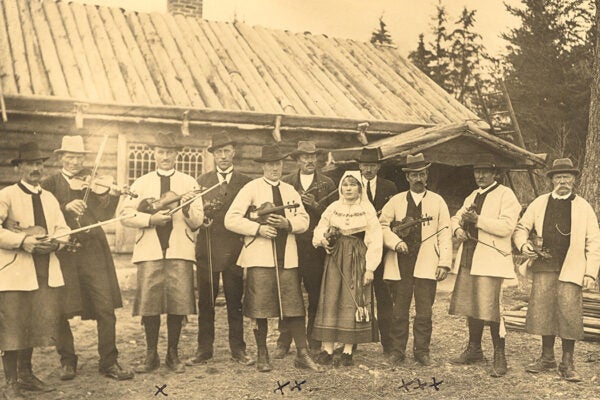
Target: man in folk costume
30,275
416,259
91,286
270,256
224,250
314,187
378,191
164,251
484,225
565,258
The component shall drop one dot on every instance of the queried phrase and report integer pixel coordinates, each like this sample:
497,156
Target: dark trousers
310,268
233,286
402,293
384,308
95,286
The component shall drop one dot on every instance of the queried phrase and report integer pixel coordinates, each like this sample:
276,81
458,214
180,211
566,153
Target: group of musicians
263,237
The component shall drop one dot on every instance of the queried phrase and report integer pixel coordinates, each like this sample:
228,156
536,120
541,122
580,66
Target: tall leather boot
546,362
566,369
11,391
472,353
173,333
151,328
499,367
304,360
26,379
260,334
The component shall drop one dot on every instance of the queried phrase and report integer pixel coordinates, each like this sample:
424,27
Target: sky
354,19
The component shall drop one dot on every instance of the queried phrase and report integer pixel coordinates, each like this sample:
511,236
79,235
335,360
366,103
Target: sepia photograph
320,199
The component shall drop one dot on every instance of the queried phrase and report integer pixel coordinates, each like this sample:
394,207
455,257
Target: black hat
29,152
370,155
485,161
416,163
166,140
219,140
269,153
562,165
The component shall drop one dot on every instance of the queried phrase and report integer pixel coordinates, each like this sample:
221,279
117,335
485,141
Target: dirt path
370,378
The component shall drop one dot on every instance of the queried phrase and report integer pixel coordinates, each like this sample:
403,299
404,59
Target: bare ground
370,378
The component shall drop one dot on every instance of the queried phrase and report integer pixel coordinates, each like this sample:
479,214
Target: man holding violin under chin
91,286
164,250
270,255
417,257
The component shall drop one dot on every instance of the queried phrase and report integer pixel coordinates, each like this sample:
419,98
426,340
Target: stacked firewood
515,319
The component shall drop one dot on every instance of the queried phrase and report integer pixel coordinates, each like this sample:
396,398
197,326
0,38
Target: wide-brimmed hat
29,152
72,144
219,140
485,161
269,153
166,141
370,155
562,165
305,147
416,163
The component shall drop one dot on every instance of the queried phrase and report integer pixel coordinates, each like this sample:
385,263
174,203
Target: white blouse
351,218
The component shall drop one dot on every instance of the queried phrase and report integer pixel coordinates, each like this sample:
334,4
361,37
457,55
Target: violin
261,214
39,233
331,235
100,185
404,227
212,207
167,201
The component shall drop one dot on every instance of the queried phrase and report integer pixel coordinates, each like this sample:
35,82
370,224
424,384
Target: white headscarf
356,175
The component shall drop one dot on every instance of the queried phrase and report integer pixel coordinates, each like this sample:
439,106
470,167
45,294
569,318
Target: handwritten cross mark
160,390
280,387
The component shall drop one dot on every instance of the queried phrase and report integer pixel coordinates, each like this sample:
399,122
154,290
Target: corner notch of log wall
80,108
185,123
277,129
362,133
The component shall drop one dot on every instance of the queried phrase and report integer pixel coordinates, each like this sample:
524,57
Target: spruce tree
381,35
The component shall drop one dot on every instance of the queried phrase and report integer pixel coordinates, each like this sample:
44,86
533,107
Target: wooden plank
172,80
20,65
174,56
31,104
153,68
187,59
64,51
136,56
94,60
303,94
7,72
338,90
215,61
111,64
339,102
242,65
39,79
49,53
286,94
179,24
126,65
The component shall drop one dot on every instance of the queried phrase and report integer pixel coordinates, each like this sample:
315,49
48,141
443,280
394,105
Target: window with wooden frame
140,159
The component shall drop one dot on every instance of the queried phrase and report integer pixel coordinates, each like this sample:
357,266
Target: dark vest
556,234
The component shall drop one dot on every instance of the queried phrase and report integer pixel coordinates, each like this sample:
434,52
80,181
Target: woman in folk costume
351,234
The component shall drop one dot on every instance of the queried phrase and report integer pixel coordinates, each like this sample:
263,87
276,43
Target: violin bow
86,228
86,194
185,203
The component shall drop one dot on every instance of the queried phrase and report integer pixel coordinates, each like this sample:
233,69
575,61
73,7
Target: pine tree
422,57
548,73
440,66
381,35
465,56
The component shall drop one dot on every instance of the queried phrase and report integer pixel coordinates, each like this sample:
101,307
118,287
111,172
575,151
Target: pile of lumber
591,316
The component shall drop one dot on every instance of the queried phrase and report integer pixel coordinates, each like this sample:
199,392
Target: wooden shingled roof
109,55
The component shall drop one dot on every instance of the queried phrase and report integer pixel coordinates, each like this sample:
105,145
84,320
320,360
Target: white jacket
17,267
258,251
495,225
182,242
434,252
583,255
